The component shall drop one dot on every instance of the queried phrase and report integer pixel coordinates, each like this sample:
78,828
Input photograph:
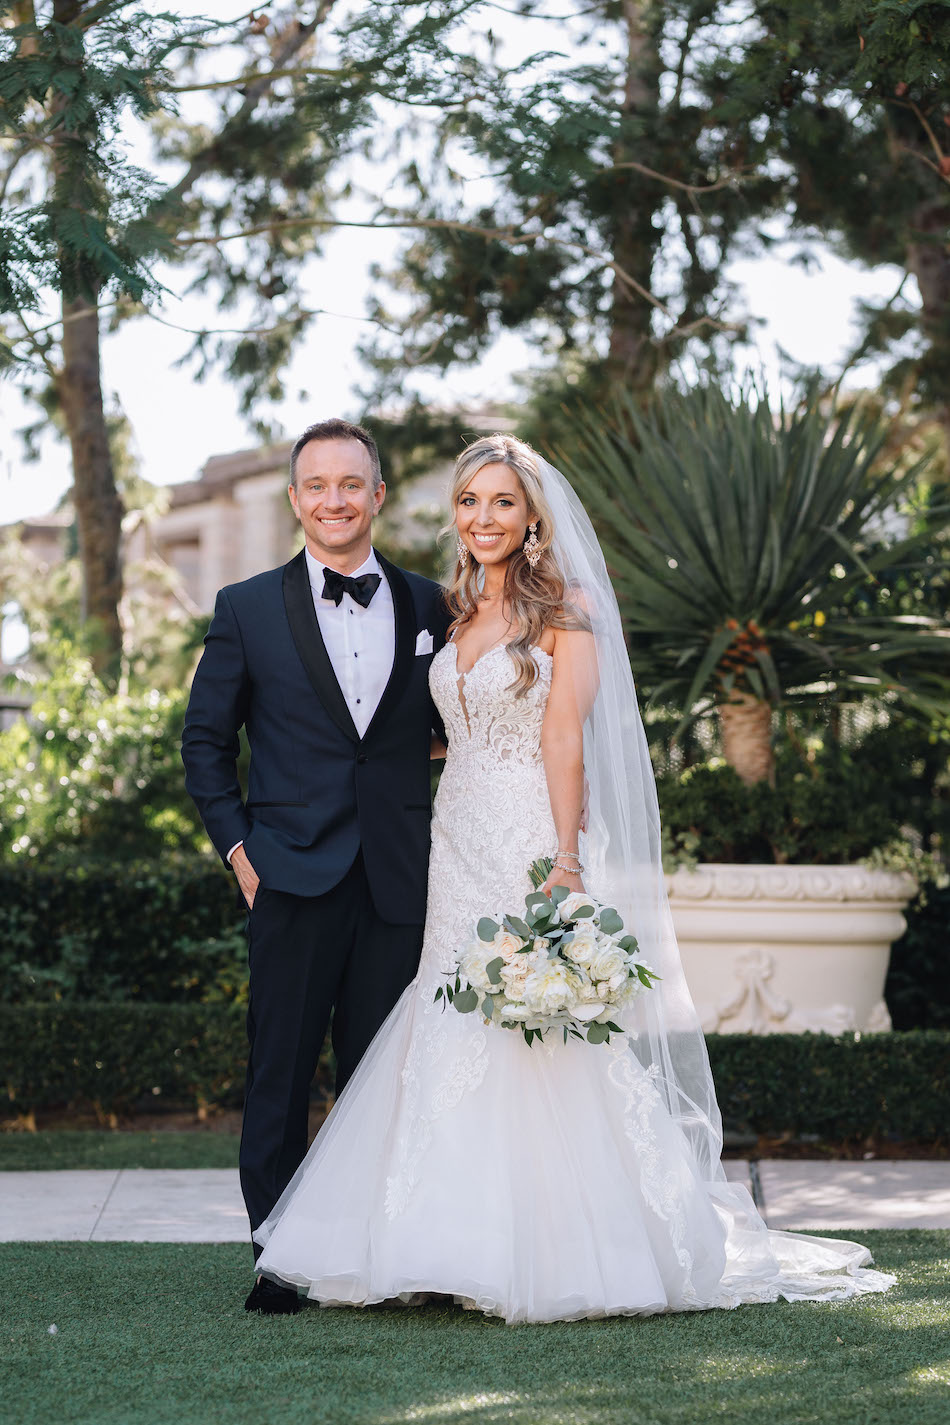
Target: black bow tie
361,589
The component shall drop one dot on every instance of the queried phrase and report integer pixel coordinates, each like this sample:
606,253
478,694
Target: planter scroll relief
785,949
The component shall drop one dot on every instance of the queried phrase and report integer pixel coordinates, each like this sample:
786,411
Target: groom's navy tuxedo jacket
317,791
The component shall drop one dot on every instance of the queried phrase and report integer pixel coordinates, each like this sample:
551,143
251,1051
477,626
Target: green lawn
80,1148
151,1334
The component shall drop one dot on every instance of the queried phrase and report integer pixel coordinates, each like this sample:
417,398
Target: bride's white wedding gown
535,1183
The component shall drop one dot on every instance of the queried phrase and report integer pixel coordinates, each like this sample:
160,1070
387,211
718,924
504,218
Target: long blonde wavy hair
535,599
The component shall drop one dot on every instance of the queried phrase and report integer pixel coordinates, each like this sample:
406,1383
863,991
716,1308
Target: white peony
472,963
551,988
585,1012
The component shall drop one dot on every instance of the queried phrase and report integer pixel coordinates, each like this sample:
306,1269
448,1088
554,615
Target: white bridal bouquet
567,965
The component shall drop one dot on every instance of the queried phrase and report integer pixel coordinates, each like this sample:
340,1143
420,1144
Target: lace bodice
483,715
492,814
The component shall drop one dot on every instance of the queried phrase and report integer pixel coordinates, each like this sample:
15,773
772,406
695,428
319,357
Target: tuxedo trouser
310,956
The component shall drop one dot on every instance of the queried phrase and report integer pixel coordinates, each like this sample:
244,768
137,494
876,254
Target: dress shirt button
362,758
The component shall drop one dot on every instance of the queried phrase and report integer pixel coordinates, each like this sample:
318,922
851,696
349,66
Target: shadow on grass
157,1333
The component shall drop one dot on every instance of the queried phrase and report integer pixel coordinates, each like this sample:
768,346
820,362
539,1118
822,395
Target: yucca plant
743,541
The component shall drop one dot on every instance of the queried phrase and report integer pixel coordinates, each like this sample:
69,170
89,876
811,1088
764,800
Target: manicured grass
158,1334
71,1148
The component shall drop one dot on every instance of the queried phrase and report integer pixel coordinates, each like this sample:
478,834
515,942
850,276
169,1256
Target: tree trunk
79,387
632,358
746,724
928,258
96,500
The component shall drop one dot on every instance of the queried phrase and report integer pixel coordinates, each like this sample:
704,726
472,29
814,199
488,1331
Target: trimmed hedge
115,1055
168,931
838,1088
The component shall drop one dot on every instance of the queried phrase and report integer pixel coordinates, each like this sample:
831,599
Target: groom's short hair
336,429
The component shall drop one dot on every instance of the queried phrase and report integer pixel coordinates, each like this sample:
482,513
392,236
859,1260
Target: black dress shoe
272,1300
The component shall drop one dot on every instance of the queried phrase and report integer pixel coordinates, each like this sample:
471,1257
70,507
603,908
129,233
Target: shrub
835,804
838,1088
93,768
168,931
114,1054
918,980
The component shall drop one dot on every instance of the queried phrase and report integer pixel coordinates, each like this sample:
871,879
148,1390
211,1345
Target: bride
550,1181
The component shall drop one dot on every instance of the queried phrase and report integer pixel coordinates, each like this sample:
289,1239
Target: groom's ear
379,495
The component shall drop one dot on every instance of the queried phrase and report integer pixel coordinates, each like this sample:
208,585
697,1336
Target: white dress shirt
361,642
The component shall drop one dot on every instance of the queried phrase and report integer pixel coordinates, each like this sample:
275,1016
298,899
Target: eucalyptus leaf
493,969
610,921
517,926
559,893
466,1001
584,912
598,1034
487,929
488,1007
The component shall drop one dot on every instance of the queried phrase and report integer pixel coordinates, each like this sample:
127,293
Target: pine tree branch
241,80
203,160
507,236
720,183
37,347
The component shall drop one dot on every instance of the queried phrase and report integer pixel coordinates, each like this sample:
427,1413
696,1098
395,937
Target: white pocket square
423,642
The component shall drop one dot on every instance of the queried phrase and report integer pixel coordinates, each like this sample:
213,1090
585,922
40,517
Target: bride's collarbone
473,644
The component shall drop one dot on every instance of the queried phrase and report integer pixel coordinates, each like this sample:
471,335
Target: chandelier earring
532,545
462,552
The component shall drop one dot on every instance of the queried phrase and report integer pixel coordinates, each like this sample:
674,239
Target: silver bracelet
571,855
571,870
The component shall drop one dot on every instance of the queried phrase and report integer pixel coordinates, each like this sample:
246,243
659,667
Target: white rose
582,948
506,945
606,962
572,903
514,978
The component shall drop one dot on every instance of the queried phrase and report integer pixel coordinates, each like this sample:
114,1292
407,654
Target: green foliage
918,979
839,1087
169,932
847,101
114,1055
95,768
740,538
117,1055
90,231
831,803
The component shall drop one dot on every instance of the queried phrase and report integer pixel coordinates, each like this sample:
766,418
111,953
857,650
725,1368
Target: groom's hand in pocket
247,877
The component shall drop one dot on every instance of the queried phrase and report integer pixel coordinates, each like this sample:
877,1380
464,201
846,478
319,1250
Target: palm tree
743,542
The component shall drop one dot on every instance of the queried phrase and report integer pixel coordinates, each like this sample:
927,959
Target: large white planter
784,949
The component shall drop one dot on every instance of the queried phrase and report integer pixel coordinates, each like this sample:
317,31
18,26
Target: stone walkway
205,1205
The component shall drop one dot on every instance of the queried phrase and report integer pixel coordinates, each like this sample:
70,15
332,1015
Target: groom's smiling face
335,499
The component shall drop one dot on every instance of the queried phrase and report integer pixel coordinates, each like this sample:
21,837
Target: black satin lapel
405,621
302,617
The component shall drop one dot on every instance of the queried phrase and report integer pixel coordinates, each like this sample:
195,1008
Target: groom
325,664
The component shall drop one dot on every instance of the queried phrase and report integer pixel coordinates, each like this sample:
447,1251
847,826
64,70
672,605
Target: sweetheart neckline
535,648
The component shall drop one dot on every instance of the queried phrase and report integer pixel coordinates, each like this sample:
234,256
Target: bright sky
178,422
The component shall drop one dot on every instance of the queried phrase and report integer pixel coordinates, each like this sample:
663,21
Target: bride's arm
573,689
